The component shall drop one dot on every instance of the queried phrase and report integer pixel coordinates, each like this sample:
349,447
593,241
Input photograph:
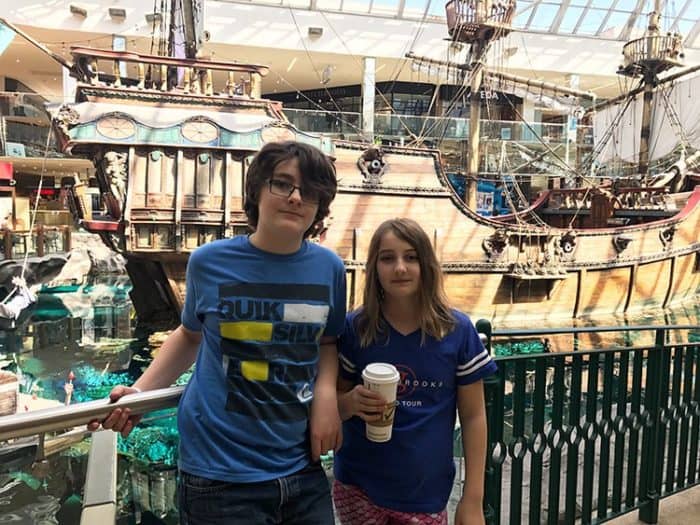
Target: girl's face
398,268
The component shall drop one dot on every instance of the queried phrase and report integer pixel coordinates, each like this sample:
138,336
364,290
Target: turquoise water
91,332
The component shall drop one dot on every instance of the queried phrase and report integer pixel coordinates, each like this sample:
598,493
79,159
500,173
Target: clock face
276,134
116,127
199,131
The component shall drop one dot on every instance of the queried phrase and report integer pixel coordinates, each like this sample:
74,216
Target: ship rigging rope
32,222
494,42
519,218
395,74
319,76
607,135
673,118
320,109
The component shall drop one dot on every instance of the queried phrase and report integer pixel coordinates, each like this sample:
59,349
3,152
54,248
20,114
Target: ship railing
664,50
594,423
461,13
166,74
40,241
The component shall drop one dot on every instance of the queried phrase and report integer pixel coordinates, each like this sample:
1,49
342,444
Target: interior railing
593,423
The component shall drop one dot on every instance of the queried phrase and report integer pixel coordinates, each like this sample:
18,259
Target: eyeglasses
283,188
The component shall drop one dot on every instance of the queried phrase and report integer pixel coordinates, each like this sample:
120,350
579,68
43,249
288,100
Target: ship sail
675,121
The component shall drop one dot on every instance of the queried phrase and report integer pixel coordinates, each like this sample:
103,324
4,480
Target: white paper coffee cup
382,378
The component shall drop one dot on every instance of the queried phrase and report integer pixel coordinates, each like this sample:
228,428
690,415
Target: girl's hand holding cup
367,404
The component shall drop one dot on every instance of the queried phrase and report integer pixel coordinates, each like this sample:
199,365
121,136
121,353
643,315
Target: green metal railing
587,435
574,436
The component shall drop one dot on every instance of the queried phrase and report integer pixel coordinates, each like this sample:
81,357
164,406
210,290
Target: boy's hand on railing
120,419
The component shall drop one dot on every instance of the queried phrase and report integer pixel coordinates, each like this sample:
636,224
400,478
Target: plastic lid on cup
381,373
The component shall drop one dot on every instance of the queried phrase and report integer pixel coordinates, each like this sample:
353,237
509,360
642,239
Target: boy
261,317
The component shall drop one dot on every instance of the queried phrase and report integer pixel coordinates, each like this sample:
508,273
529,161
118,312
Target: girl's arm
472,417
358,401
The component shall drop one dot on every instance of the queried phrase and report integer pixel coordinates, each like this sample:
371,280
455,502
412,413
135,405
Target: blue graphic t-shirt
414,471
244,414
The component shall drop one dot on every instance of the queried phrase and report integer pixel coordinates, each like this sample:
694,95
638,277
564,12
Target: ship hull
531,277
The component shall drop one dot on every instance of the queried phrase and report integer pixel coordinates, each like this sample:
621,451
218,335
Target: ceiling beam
632,21
693,34
560,16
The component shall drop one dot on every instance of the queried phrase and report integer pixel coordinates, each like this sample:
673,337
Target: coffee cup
382,378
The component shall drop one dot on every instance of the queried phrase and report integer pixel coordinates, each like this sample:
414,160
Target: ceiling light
154,18
78,11
117,13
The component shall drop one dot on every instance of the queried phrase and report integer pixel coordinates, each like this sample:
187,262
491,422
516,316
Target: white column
529,115
368,87
69,86
571,125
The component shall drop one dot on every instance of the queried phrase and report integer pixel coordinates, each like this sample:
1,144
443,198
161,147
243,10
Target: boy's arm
175,356
324,421
472,416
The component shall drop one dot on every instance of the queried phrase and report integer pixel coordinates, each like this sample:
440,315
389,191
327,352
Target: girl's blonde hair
436,318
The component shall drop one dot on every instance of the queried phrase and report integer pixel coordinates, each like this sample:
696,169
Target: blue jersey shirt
244,414
414,471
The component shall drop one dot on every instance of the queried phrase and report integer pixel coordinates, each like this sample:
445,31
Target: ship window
534,291
143,236
240,229
164,237
191,237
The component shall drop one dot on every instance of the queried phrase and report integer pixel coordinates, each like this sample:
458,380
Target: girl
406,321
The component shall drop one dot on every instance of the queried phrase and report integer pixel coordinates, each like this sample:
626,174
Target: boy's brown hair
317,172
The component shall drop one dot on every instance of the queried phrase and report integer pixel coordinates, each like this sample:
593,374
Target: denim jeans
302,498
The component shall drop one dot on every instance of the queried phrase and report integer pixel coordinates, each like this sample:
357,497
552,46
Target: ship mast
645,58
478,23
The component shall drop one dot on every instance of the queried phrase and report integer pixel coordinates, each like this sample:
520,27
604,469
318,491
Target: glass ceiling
613,19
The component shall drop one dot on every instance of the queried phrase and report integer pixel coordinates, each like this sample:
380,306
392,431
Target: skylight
613,19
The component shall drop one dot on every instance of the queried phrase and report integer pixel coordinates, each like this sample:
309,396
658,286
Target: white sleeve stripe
347,364
476,358
476,366
347,368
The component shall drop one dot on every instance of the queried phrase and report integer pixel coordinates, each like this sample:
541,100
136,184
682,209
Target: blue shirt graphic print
269,340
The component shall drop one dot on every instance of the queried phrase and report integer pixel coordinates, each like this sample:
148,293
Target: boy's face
282,212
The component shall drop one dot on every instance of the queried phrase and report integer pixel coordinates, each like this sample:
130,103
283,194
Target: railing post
494,409
100,498
651,459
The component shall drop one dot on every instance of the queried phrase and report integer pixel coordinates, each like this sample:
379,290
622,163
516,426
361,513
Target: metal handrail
54,419
588,329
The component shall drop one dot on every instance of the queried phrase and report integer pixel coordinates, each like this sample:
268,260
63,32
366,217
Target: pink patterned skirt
353,507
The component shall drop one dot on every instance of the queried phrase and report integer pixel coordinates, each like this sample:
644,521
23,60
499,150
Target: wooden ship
171,140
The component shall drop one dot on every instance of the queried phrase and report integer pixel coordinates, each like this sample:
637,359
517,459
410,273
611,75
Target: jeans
302,498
